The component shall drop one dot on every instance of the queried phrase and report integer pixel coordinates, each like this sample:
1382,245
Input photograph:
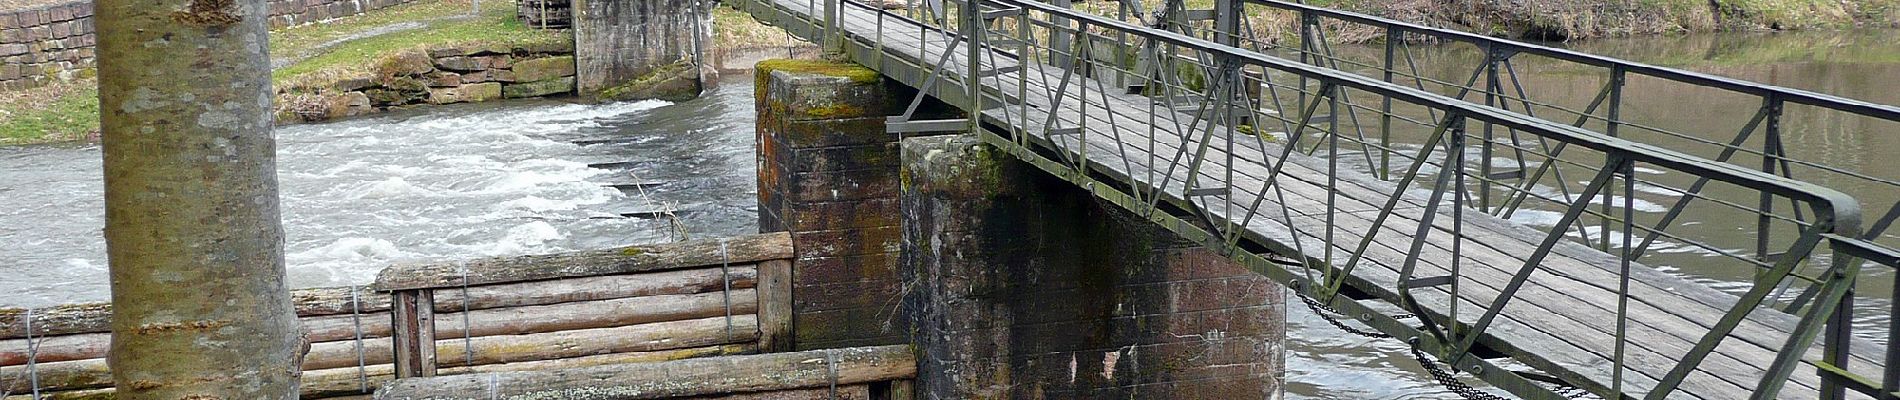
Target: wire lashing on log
725,277
32,356
468,330
356,319
831,368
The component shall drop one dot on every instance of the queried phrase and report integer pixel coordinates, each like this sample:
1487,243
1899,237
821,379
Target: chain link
1448,379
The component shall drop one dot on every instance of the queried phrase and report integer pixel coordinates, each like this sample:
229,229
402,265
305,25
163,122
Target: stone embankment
53,41
439,75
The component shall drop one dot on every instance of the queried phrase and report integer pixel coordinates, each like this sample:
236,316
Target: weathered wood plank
643,258
692,377
413,319
775,306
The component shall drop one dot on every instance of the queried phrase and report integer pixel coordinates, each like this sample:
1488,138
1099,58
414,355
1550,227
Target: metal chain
1450,382
1443,377
1326,313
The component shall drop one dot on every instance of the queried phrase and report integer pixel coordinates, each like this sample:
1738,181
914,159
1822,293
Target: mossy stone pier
828,174
1004,289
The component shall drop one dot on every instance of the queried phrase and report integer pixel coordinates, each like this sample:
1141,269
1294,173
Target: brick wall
39,45
1021,285
55,42
828,174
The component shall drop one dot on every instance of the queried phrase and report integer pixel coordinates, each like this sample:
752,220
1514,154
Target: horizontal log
687,281
691,377
97,317
844,392
343,383
582,319
645,258
326,328
92,373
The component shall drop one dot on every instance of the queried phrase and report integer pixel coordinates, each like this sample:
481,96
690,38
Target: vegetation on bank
315,56
496,26
734,29
1586,19
61,111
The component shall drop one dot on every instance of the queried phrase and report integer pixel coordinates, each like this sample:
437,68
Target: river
509,178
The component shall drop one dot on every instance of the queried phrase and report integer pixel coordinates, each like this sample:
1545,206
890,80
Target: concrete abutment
1008,282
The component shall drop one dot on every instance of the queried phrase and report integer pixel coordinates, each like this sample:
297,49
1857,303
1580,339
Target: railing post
1771,146
412,314
833,43
971,27
1227,21
1060,38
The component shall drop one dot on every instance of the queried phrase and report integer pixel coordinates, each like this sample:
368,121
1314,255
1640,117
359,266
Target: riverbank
1559,20
422,52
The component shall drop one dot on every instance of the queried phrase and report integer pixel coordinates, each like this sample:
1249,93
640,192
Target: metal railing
1212,139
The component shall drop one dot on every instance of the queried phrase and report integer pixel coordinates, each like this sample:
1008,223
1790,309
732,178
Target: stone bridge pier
1008,282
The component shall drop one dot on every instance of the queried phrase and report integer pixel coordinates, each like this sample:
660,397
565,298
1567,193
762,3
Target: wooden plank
631,259
691,377
414,322
775,306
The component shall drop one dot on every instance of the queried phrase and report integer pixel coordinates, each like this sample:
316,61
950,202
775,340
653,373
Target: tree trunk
192,233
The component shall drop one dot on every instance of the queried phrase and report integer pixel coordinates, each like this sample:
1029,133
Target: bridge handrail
1859,107
1836,212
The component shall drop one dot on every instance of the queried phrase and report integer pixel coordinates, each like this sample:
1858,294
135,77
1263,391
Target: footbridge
1497,232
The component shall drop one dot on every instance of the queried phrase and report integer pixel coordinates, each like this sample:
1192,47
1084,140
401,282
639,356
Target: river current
513,177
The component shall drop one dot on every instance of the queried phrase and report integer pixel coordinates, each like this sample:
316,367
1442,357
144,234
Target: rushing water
508,178
449,182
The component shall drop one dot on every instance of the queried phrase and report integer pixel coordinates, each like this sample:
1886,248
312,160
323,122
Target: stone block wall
55,42
287,13
43,44
1020,285
441,75
1009,282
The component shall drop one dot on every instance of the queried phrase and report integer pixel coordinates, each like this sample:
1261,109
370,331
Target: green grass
58,112
496,25
300,40
734,29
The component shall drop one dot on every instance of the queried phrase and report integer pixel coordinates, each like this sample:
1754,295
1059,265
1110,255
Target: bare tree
193,236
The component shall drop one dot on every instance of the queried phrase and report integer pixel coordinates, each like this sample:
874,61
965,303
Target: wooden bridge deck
1562,320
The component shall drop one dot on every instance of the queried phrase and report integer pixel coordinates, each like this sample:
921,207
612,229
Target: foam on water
444,183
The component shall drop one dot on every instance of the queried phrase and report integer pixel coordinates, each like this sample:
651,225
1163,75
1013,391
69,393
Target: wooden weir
661,309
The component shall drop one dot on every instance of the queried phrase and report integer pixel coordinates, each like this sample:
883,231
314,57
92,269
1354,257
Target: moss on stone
834,110
856,73
632,251
652,85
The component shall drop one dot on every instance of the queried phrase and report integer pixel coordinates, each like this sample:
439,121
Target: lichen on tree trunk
192,220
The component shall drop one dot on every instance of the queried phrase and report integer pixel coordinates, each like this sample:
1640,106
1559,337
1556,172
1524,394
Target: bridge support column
828,174
1020,285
